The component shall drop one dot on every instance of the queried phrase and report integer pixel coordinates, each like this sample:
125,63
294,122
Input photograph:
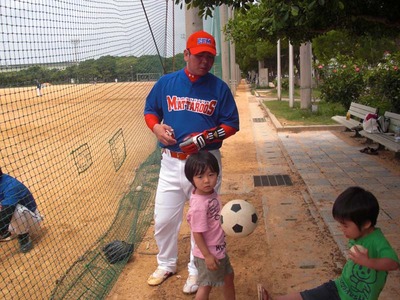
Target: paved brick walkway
328,165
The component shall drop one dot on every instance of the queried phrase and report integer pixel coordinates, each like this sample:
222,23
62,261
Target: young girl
210,257
364,275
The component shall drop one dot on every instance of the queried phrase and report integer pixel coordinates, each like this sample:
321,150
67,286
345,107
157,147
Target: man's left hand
197,141
193,143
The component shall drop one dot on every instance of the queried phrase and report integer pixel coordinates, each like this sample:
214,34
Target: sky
48,31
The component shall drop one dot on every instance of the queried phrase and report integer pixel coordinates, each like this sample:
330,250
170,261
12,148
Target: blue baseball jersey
13,192
192,107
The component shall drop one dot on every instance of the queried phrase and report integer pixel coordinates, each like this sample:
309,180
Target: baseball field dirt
39,136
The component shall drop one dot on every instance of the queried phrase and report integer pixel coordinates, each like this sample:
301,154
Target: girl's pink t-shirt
204,216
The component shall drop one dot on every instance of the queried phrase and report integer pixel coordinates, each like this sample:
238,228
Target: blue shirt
13,192
192,107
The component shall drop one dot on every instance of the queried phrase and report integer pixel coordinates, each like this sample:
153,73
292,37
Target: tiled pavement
327,166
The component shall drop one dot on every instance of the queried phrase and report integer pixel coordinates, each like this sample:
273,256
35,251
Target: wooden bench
386,140
357,114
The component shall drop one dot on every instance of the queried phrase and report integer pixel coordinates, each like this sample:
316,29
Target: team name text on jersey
176,103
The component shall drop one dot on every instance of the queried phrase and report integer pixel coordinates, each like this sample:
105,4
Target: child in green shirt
364,274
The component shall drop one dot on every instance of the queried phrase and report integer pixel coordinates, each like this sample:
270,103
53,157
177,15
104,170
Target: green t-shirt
361,283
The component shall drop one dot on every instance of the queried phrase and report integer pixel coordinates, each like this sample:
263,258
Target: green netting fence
80,143
74,76
91,276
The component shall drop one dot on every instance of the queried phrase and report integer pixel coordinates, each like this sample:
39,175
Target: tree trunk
305,75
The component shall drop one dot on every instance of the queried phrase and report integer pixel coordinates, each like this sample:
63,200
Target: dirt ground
39,135
290,250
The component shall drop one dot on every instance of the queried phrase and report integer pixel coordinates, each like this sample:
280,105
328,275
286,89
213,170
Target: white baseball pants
24,220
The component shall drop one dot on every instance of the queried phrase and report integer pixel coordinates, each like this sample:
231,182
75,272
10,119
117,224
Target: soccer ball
238,218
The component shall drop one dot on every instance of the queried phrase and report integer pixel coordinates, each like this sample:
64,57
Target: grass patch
272,93
297,116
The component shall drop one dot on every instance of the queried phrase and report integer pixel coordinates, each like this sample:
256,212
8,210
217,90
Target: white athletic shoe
191,285
158,277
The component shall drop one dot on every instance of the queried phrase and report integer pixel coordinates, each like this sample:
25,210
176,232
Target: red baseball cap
201,41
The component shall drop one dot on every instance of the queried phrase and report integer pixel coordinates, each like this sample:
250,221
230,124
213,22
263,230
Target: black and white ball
238,218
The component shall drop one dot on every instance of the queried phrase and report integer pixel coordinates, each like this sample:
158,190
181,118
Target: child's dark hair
1,172
197,164
357,205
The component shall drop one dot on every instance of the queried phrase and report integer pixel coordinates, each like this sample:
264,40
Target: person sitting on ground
210,258
370,256
18,212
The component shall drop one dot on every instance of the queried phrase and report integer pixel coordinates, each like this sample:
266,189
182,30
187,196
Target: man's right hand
164,134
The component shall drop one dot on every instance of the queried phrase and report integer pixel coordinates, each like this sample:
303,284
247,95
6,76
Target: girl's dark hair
357,205
1,172
197,164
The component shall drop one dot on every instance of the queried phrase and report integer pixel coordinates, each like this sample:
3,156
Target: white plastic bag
370,125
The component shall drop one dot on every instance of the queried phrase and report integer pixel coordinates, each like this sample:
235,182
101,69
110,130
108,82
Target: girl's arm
211,262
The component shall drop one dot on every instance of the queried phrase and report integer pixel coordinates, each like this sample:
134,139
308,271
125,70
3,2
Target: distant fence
147,76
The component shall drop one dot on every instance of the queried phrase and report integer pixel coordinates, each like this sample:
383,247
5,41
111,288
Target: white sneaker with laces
158,277
191,285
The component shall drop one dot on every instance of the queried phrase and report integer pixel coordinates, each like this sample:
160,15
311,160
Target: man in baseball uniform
187,110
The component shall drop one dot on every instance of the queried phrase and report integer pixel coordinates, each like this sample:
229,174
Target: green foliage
273,93
104,69
302,20
87,71
343,81
248,46
206,7
245,57
106,65
384,84
285,84
299,116
354,28
340,42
